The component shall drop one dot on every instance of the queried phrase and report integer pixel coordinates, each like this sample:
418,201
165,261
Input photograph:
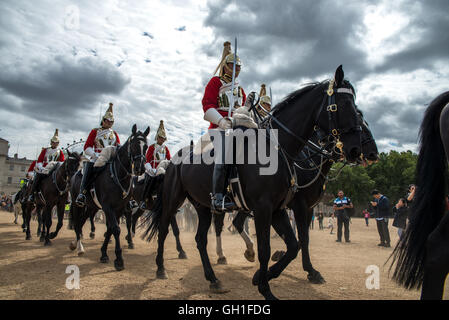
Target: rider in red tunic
216,103
156,153
98,139
47,155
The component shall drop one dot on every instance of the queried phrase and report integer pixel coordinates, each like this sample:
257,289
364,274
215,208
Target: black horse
328,105
422,255
138,195
53,191
112,186
312,190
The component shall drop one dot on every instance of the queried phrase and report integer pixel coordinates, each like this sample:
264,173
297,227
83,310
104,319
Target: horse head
72,163
340,118
137,148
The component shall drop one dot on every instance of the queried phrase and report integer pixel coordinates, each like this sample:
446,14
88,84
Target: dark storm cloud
431,23
298,39
61,88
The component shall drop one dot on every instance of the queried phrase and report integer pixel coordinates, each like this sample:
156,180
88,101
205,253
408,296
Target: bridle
139,157
67,176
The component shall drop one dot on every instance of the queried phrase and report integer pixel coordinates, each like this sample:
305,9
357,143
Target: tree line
391,175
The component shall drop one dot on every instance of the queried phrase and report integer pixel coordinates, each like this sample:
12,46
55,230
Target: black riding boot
35,186
220,202
85,182
146,189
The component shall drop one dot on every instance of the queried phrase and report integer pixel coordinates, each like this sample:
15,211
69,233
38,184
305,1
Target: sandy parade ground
28,270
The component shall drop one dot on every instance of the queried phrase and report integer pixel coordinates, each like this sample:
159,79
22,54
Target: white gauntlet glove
225,123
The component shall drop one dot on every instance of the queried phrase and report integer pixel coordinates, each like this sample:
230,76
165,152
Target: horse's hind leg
47,220
40,226
238,223
204,221
26,215
436,267
114,229
135,218
92,224
219,222
175,228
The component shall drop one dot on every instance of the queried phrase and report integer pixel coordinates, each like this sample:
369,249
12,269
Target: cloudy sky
63,61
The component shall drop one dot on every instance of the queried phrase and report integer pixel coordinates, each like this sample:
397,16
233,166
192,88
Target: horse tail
151,220
429,201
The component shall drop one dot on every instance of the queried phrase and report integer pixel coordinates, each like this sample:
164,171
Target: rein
55,181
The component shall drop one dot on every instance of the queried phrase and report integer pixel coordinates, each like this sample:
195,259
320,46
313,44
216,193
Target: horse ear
134,129
69,153
147,131
339,75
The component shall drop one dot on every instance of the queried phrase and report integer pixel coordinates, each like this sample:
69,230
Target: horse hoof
161,274
24,230
80,253
222,260
250,255
255,280
47,243
72,246
28,237
104,259
182,255
217,288
52,235
277,255
130,245
270,296
92,235
119,265
127,237
316,278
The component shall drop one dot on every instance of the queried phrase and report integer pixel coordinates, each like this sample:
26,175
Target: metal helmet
161,131
55,137
263,95
109,115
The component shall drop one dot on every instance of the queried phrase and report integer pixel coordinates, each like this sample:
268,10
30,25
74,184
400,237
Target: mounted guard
50,155
98,139
157,157
264,105
220,93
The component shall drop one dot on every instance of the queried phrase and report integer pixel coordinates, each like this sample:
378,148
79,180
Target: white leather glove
225,123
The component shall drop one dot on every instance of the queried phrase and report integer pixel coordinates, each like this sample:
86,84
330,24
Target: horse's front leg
262,221
129,237
219,222
47,221
61,211
92,224
239,222
175,228
114,229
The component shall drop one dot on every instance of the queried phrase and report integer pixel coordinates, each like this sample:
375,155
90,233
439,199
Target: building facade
12,169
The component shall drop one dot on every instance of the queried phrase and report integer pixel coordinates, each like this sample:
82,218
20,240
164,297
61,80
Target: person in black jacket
382,207
400,211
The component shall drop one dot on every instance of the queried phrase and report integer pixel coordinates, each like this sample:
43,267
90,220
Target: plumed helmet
263,95
161,131
109,115
55,137
227,57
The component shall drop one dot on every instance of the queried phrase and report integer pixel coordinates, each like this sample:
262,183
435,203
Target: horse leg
303,217
80,216
114,227
60,209
283,228
129,237
135,218
26,215
204,222
40,224
104,248
436,266
175,228
238,223
219,222
92,224
47,220
262,221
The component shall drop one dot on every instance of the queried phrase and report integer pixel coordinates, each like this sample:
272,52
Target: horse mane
307,87
428,204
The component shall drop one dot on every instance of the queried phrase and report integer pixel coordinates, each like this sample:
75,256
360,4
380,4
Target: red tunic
151,157
90,142
43,159
32,165
210,99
